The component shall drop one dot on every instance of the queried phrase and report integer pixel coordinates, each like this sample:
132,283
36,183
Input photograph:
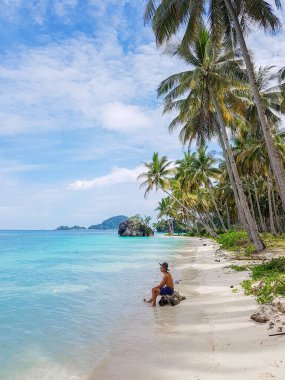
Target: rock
279,329
281,306
134,227
259,317
173,300
271,325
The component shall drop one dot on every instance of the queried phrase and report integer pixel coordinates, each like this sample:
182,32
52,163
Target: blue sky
78,109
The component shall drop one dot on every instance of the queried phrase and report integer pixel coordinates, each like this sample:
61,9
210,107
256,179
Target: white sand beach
207,336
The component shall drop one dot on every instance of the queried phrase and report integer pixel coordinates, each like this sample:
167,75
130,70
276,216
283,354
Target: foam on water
63,294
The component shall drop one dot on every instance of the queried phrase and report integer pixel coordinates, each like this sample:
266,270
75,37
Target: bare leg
155,293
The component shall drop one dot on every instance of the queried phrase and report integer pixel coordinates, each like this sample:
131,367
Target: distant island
66,228
108,224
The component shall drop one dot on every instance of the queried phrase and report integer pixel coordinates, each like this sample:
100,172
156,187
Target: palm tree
201,170
230,19
197,199
165,209
210,84
253,161
157,177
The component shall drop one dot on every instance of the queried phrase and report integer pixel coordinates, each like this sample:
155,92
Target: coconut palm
165,209
157,177
201,170
231,19
215,73
253,163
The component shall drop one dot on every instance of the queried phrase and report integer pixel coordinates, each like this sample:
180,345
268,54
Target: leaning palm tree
210,84
158,177
230,19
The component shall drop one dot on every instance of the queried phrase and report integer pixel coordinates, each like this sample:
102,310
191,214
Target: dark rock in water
134,227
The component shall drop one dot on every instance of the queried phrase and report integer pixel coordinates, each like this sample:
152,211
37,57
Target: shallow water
64,294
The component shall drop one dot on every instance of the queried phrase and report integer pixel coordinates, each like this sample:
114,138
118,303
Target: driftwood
277,334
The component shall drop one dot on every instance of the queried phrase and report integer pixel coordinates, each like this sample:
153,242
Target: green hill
109,224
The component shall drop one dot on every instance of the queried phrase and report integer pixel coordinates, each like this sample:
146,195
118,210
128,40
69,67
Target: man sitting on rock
166,287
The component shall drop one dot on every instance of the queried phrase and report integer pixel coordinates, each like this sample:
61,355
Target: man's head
164,267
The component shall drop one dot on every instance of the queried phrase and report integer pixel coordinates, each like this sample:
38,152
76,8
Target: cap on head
164,265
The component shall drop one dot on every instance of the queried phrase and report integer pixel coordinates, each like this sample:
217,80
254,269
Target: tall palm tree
210,84
157,177
252,159
228,18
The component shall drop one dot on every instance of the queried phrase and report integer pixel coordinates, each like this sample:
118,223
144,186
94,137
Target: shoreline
207,336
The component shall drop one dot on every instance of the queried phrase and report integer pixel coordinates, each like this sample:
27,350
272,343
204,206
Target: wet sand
207,336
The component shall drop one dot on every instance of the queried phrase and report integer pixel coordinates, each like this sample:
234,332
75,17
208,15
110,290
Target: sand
207,336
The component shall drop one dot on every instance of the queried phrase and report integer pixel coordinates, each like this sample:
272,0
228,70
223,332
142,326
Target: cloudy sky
78,109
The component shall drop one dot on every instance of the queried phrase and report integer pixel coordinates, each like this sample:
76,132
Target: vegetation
170,225
239,268
267,281
233,240
236,195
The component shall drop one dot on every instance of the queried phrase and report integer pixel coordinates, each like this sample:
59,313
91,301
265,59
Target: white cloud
117,176
80,83
123,117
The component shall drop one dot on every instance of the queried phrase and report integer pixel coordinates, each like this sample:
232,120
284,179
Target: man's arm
163,282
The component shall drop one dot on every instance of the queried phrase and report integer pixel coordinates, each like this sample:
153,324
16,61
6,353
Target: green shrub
272,268
267,281
238,268
233,240
249,249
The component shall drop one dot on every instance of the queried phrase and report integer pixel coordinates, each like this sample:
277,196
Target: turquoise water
62,293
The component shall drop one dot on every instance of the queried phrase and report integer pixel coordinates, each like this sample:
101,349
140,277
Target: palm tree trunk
263,227
172,227
275,160
277,220
272,226
233,184
210,219
253,230
207,228
250,198
215,205
228,216
169,225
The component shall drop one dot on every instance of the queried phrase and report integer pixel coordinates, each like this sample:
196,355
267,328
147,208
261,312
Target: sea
65,294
